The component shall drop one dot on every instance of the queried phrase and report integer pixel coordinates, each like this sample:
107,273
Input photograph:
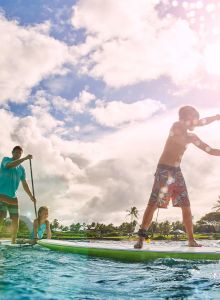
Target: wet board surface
7,243
128,253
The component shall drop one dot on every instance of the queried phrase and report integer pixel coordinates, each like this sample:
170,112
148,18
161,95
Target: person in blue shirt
11,174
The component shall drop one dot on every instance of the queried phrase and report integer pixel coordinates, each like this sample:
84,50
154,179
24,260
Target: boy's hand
33,199
29,156
218,117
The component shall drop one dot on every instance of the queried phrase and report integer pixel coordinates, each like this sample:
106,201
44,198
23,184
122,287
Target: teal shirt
40,232
10,178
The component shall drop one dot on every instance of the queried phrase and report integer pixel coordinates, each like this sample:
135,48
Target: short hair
186,112
17,148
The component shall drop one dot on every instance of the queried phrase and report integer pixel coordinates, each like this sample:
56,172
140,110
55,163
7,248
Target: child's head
43,212
188,115
17,152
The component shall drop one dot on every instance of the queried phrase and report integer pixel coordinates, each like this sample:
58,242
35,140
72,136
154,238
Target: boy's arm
17,162
48,230
203,146
27,190
208,120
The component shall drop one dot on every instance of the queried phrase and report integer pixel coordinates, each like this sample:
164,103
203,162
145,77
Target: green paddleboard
128,253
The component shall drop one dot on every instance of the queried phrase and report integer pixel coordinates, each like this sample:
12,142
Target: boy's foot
21,241
142,233
139,244
194,243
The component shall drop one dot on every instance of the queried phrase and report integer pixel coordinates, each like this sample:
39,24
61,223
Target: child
41,224
11,174
169,182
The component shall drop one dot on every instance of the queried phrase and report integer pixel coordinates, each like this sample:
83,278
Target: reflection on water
38,273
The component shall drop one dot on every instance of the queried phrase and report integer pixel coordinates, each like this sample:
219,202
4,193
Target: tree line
209,223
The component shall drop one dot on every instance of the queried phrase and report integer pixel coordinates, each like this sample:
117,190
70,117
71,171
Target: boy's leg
13,211
3,214
14,227
187,221
160,182
147,218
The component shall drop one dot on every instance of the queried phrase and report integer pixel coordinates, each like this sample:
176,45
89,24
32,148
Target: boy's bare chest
177,142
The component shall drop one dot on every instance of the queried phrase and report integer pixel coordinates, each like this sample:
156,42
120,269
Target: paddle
32,183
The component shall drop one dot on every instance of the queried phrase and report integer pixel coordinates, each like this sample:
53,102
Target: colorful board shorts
169,184
10,205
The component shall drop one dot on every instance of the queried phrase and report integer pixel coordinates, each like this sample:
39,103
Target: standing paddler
11,173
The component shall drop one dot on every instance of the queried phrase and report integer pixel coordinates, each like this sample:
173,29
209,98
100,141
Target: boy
169,182
11,173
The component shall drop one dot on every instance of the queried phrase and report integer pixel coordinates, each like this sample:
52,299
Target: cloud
118,113
7,131
80,103
139,50
40,110
28,55
104,112
211,55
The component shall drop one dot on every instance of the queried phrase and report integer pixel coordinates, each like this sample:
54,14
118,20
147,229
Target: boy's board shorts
8,204
169,184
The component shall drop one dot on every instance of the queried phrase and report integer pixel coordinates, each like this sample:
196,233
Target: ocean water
38,273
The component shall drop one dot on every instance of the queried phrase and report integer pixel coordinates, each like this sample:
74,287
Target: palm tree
55,224
133,213
217,205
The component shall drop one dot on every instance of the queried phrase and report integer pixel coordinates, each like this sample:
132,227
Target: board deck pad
128,253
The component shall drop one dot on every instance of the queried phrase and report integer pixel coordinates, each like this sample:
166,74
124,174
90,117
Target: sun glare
211,58
203,18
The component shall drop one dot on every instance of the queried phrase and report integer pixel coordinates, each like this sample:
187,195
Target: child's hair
40,210
17,148
187,112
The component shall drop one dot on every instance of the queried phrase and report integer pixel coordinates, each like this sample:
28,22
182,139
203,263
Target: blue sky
91,87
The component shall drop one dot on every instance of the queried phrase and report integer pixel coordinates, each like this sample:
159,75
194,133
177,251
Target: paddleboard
7,243
128,253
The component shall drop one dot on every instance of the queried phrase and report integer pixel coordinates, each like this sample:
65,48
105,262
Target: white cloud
105,18
45,120
80,104
138,50
211,57
6,132
117,113
28,55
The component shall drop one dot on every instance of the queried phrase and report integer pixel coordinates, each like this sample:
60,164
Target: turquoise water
38,273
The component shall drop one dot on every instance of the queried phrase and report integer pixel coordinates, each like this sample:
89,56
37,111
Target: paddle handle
32,184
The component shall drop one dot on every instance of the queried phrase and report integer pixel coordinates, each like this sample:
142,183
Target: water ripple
36,273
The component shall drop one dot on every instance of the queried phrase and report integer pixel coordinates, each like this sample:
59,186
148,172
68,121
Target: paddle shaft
32,183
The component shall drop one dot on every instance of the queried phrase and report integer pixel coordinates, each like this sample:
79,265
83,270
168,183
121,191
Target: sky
91,88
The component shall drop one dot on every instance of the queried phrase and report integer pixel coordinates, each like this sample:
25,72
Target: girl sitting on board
41,225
